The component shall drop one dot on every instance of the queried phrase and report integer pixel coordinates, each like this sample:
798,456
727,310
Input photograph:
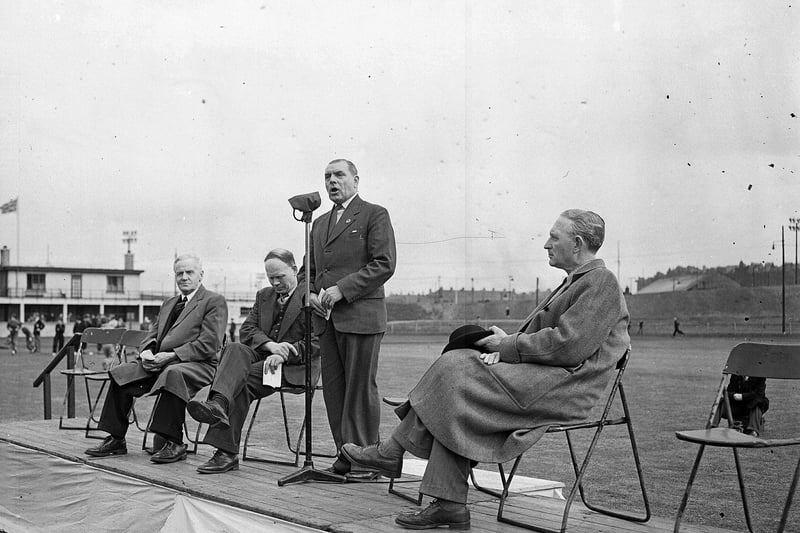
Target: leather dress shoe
221,462
158,443
435,516
369,458
208,412
340,467
170,453
109,446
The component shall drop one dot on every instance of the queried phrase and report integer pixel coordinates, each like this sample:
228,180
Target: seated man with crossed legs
274,333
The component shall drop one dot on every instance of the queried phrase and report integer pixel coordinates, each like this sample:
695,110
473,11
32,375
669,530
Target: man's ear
580,244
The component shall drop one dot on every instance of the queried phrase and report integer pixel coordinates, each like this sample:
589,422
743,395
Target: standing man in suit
352,255
177,358
273,334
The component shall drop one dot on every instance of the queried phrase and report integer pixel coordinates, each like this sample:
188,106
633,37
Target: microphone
306,204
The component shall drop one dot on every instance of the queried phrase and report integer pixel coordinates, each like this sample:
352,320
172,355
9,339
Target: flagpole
19,253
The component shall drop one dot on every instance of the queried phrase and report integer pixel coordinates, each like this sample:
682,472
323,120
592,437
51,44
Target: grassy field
670,384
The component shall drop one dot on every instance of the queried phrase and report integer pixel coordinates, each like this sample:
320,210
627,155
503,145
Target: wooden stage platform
350,507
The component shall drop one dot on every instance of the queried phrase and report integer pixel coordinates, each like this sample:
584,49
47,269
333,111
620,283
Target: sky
474,123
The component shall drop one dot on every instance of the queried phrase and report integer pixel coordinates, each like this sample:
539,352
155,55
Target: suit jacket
358,257
195,337
254,333
554,370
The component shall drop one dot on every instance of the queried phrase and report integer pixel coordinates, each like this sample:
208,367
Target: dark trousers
169,411
58,343
238,378
349,369
447,473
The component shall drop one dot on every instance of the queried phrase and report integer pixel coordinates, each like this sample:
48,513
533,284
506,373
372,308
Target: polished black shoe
339,467
170,453
221,462
369,458
435,516
158,443
109,446
208,412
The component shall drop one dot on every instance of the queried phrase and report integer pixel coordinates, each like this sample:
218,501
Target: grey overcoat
553,370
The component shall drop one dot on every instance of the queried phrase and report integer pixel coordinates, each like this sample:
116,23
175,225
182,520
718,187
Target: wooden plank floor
350,507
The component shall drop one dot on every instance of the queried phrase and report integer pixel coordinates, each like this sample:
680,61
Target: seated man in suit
489,399
177,358
273,334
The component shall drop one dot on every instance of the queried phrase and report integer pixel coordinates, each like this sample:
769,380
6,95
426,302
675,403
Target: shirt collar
191,294
346,202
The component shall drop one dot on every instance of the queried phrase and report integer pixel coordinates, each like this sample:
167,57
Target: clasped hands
279,353
155,362
491,343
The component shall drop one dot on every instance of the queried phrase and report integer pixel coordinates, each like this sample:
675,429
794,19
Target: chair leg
740,477
296,461
639,472
685,498
486,490
412,499
789,498
249,429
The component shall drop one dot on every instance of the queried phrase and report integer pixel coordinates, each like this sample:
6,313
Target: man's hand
159,361
490,358
737,396
331,296
317,306
274,361
283,349
492,342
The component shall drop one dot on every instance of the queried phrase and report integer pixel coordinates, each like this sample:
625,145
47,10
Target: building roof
69,270
688,283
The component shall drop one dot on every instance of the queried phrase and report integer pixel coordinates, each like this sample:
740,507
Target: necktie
173,316
335,216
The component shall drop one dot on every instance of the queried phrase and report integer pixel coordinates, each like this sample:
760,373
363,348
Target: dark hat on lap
466,337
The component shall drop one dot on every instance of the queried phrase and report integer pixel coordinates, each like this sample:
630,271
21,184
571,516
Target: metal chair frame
292,389
90,336
580,471
771,361
194,442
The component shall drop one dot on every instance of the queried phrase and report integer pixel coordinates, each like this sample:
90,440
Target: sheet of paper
329,309
270,378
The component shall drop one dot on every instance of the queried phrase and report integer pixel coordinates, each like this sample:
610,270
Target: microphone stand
308,472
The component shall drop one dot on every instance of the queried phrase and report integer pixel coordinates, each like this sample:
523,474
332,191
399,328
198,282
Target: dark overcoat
553,370
195,337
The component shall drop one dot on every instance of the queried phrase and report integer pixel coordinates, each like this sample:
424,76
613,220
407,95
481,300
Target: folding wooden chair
81,370
577,487
771,361
282,391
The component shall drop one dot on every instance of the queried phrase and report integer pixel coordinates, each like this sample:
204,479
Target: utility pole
795,227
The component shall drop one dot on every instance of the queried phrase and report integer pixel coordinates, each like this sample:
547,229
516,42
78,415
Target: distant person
145,325
28,337
58,337
38,326
273,335
13,330
352,255
80,325
232,335
492,395
749,402
676,325
177,358
508,312
640,331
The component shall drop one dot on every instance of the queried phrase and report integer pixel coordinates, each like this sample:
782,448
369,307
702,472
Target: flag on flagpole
9,207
